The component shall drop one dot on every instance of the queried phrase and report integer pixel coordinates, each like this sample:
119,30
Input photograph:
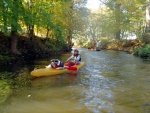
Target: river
111,82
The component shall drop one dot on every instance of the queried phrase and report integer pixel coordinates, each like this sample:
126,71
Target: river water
111,82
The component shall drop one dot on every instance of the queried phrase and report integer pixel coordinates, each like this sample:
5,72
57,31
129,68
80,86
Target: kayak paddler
55,64
74,59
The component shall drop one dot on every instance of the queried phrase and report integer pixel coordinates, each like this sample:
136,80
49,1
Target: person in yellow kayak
74,59
56,64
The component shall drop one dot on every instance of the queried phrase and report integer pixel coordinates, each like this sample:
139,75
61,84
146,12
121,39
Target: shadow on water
111,82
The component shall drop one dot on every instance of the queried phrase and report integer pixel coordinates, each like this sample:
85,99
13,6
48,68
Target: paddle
69,68
72,68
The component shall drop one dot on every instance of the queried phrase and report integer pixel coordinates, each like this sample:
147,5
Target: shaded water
111,82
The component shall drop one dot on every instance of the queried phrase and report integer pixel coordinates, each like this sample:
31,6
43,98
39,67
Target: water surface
111,82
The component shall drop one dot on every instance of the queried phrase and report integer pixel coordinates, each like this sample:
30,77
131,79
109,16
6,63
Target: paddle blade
72,68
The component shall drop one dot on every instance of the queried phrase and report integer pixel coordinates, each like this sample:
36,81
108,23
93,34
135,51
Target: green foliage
5,90
104,42
51,44
44,14
143,52
145,38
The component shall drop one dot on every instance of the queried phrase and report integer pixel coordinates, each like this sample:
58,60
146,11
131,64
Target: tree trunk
31,25
148,16
14,27
118,11
146,35
69,40
14,42
47,32
118,35
31,31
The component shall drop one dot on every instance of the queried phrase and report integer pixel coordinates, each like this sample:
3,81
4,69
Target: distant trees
127,17
123,17
118,19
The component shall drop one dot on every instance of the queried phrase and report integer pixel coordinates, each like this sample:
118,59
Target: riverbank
34,48
135,47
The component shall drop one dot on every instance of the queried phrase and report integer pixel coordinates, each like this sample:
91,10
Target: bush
115,45
5,91
143,52
104,43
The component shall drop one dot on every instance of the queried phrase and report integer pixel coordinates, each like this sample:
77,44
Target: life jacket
58,63
61,64
77,56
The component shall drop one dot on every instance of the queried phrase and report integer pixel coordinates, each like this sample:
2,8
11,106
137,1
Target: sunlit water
111,82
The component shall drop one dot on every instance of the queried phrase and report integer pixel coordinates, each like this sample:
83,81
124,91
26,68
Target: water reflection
56,80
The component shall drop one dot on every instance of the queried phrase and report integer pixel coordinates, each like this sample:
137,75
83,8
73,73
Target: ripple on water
97,91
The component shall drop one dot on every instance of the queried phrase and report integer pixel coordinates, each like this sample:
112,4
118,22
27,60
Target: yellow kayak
51,71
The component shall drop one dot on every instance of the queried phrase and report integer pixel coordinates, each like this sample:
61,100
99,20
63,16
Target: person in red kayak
56,64
75,59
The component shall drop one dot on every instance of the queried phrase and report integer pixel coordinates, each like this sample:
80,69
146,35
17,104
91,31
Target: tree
127,16
54,19
30,26
14,25
148,16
